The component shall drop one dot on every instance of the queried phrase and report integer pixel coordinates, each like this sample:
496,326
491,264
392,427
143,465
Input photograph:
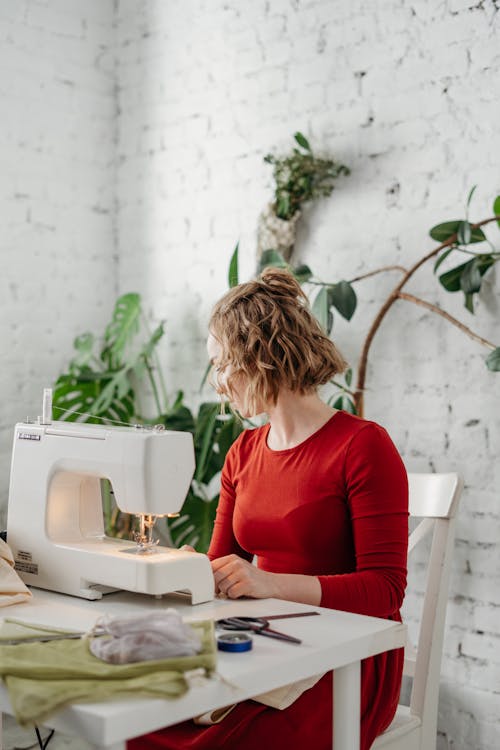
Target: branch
378,270
393,296
446,316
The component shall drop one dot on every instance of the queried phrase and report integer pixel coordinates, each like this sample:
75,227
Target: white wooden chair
433,498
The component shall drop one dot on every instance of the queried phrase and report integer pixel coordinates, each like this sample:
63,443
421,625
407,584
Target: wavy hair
270,338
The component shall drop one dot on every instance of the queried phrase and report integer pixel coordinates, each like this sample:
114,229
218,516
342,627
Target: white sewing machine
55,519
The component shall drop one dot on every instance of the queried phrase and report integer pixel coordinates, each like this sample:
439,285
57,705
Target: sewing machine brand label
29,436
24,563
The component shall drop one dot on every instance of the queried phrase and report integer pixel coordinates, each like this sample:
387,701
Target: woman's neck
295,417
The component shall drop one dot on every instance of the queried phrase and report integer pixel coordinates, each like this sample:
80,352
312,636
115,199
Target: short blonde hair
269,335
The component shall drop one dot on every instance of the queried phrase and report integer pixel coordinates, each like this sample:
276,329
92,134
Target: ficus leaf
452,279
464,233
493,360
442,258
232,276
469,197
443,232
343,297
271,258
321,309
496,208
302,273
345,404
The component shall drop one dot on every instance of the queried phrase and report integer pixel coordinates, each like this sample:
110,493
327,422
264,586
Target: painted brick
137,132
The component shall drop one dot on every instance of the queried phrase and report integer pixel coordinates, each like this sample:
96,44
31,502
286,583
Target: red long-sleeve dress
335,507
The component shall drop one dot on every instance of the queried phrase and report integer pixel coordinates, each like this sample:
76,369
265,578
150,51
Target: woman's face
237,396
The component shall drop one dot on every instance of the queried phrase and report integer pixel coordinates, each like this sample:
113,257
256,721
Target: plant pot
274,233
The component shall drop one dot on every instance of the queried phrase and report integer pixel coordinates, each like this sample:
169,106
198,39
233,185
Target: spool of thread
234,642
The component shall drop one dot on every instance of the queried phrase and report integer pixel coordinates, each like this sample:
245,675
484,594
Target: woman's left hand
236,577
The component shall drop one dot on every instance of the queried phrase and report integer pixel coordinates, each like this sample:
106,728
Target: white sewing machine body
55,519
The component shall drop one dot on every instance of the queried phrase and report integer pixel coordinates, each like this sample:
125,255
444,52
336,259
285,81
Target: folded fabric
12,589
284,696
42,678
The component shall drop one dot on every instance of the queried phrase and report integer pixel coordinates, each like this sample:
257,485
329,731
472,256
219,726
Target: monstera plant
104,384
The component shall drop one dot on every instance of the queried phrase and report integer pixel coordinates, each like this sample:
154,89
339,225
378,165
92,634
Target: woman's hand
235,577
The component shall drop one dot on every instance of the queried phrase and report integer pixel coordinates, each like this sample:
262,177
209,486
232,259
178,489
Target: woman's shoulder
352,426
358,434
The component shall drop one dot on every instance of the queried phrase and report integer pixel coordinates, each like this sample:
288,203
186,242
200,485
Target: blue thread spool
234,642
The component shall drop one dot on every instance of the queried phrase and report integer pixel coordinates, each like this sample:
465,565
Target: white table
332,641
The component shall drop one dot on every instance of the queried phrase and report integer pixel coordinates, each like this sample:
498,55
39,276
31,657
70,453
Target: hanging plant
299,178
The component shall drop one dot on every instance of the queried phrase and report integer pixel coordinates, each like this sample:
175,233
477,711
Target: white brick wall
131,145
407,95
57,267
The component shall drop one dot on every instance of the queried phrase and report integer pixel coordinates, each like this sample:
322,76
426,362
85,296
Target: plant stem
393,296
378,270
153,385
446,316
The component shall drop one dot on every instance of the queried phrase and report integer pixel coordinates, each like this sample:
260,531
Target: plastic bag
157,635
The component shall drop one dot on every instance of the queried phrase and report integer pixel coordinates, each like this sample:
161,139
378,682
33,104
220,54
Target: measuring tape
234,642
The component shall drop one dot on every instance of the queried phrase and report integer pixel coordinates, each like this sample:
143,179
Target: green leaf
178,418
493,360
348,377
452,279
75,398
496,208
148,348
122,328
302,141
195,523
443,232
345,404
302,273
464,233
115,389
470,278
343,297
469,302
84,345
321,309
232,276
205,428
271,258
469,197
442,257
283,206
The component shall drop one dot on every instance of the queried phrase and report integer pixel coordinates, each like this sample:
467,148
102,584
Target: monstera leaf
122,329
87,397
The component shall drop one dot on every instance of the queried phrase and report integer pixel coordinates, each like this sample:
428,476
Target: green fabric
42,678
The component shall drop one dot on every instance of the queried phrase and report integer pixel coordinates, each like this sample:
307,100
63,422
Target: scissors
258,625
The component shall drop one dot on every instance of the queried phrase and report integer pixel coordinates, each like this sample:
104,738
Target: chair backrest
433,498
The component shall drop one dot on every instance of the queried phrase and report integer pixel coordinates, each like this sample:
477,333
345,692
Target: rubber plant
457,237
104,384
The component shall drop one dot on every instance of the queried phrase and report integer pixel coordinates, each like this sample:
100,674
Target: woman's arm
223,541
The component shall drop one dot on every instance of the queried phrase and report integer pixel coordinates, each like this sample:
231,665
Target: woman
317,495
